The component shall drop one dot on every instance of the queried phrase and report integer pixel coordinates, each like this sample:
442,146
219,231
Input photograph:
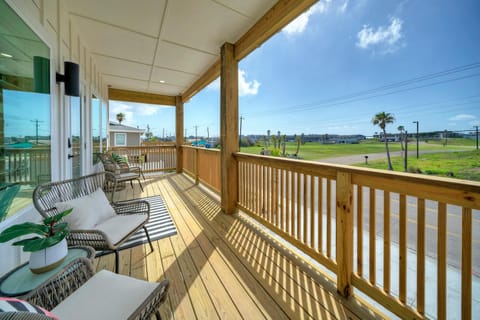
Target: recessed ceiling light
162,81
6,55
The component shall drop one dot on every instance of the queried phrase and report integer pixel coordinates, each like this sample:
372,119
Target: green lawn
316,151
461,164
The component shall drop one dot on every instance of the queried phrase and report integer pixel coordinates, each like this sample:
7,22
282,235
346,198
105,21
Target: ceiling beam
281,14
140,97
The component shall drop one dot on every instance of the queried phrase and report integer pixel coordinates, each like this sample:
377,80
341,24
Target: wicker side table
20,281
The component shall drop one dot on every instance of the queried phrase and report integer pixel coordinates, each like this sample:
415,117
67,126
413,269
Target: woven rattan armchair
103,295
46,196
119,172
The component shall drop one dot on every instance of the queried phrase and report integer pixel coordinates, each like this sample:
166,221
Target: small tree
148,133
382,119
120,117
284,140
299,142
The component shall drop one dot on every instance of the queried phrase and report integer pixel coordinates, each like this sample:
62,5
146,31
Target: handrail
203,164
332,211
150,158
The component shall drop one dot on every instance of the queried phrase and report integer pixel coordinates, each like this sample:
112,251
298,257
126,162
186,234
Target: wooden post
179,132
344,201
228,127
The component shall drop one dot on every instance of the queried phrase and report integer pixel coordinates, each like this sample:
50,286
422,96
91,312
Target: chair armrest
154,300
69,279
132,207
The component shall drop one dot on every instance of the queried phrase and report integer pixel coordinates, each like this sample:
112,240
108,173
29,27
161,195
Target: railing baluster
290,202
299,207
442,262
312,211
466,263
329,218
305,208
386,241
403,249
320,214
282,197
372,233
360,230
421,256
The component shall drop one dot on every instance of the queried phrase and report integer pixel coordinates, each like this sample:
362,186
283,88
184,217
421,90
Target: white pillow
88,211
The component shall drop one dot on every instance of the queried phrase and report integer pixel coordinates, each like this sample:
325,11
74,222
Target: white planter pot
49,258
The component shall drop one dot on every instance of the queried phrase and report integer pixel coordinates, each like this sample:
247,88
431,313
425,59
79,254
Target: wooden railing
150,158
203,165
26,166
394,224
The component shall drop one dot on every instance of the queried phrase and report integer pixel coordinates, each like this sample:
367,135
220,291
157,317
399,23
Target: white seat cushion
105,296
117,227
88,211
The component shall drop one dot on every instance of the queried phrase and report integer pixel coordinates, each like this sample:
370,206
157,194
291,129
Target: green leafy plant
50,232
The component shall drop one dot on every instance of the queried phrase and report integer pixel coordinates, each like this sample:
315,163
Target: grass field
461,165
461,162
316,151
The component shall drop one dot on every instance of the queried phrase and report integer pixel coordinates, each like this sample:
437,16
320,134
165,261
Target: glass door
75,139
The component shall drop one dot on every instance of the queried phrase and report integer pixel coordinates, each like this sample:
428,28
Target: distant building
124,136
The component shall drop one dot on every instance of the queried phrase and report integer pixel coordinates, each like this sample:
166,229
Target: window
96,129
120,139
25,137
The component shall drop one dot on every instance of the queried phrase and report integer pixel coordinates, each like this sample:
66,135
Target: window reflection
25,135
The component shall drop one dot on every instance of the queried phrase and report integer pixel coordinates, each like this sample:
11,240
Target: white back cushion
88,211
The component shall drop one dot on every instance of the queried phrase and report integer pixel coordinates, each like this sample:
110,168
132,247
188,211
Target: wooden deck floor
220,267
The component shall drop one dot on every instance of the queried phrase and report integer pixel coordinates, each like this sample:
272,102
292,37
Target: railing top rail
200,148
327,169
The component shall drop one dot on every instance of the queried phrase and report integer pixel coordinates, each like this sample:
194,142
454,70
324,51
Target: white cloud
299,25
245,87
462,117
343,7
385,38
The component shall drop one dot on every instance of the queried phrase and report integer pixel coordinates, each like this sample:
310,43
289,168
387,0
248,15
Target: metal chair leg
116,260
148,237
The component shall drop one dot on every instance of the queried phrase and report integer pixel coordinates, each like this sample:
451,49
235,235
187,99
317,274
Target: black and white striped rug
159,226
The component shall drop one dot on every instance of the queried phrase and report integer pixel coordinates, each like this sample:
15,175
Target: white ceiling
161,46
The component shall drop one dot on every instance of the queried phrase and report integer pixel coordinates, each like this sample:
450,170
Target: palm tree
382,119
402,130
120,117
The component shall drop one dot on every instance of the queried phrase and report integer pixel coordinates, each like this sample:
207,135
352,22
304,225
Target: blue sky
341,62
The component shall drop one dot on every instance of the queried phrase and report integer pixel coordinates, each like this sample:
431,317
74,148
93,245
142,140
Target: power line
358,96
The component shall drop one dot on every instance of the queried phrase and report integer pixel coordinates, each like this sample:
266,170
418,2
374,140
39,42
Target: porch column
179,139
344,221
228,127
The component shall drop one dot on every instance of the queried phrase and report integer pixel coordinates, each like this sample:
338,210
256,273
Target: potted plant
48,247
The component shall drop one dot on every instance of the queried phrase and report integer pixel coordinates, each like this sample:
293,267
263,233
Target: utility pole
208,134
476,133
163,134
240,139
196,137
417,136
405,158
185,134
446,137
36,128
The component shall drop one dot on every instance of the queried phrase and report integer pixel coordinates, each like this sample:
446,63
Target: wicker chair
120,172
46,196
103,295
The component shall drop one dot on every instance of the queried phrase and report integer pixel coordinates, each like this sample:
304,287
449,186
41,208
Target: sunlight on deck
221,267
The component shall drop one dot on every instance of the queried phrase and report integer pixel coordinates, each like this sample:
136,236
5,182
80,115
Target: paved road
454,217
353,159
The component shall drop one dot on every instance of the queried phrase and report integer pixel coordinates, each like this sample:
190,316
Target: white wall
49,19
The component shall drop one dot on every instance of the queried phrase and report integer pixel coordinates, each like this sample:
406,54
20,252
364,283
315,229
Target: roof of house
117,127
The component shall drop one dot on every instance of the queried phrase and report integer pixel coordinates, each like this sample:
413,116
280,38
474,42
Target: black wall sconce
71,79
